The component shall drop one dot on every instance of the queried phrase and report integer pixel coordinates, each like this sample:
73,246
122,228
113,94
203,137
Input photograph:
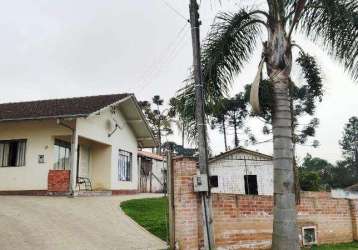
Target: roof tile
55,108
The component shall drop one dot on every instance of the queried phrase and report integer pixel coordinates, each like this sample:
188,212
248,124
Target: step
93,193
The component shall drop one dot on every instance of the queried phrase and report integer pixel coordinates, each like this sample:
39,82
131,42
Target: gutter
44,117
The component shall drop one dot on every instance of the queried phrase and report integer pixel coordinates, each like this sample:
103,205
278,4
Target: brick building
245,221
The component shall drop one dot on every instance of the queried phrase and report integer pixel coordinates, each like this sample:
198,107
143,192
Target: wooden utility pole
201,125
170,192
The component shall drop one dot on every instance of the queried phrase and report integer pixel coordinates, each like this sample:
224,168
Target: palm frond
228,46
335,23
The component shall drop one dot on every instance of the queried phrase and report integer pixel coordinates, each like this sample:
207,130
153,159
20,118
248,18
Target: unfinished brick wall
58,181
354,213
245,222
186,204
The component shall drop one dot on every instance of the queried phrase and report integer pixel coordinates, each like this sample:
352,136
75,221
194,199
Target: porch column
73,163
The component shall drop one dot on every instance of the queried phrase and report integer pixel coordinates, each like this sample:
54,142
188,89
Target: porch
92,166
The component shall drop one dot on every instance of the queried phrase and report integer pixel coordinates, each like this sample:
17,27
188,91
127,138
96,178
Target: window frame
61,144
129,156
22,164
248,186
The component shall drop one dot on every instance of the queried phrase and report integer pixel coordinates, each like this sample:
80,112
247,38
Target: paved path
83,223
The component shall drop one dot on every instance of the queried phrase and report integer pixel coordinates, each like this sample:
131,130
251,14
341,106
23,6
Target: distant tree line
318,174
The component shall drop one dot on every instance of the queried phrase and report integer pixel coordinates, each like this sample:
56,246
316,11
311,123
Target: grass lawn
344,246
150,213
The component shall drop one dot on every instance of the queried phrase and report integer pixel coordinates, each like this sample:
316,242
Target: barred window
12,153
124,166
62,152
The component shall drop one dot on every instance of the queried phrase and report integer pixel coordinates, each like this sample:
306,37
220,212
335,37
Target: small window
12,153
124,166
251,184
62,153
309,235
214,181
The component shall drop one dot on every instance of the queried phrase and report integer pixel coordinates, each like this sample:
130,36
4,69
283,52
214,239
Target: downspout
73,159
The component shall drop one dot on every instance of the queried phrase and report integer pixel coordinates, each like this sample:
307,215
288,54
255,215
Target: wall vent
309,235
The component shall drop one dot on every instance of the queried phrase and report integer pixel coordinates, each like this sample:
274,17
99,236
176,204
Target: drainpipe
73,158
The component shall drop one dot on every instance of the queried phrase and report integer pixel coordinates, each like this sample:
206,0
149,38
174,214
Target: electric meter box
200,183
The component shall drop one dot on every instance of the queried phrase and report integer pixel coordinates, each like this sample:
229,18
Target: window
124,165
12,153
62,152
251,184
309,235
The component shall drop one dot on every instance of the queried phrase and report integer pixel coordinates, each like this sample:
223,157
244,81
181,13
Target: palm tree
333,24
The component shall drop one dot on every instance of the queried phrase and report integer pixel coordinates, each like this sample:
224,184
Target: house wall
231,170
40,140
100,172
245,221
96,128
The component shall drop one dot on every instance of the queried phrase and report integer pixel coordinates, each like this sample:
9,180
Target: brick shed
245,221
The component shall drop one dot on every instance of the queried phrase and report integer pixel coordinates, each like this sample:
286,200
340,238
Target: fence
245,221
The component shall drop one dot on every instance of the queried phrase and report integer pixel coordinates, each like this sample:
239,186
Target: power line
260,142
170,52
149,70
175,10
170,58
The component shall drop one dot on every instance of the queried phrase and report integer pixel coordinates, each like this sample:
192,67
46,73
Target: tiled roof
240,150
57,108
150,155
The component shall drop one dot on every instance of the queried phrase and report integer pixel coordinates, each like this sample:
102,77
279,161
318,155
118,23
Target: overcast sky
52,49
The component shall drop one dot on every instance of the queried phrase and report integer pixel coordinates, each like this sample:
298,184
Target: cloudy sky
52,49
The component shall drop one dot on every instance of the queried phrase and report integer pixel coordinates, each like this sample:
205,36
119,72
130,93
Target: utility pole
170,192
201,125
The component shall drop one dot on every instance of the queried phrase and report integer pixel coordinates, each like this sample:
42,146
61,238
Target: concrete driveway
83,223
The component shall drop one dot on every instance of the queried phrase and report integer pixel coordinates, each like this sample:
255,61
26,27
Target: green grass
344,246
150,213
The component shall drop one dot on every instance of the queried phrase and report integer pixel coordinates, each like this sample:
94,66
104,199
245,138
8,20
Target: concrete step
93,193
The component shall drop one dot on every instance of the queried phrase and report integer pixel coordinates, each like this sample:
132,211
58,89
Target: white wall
343,194
100,172
231,173
40,141
96,128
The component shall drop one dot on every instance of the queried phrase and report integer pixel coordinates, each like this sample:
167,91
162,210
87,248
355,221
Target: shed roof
353,188
150,155
239,150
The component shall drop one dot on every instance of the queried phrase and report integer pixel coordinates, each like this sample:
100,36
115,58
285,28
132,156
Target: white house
153,172
242,171
55,145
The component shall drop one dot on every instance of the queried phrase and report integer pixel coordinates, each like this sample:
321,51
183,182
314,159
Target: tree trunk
159,148
183,135
279,62
224,131
285,233
235,131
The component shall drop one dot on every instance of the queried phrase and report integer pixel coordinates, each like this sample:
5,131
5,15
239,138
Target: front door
83,165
